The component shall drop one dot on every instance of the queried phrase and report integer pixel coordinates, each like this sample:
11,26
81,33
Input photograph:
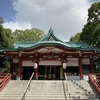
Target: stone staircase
82,90
49,90
39,90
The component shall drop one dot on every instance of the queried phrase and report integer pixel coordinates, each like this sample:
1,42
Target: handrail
95,73
4,79
67,84
95,83
64,89
66,81
27,86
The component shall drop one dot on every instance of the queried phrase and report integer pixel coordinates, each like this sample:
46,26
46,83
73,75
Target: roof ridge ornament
50,31
51,36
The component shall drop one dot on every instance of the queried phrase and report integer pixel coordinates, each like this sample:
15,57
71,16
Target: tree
29,35
3,38
1,20
75,38
7,35
4,43
91,31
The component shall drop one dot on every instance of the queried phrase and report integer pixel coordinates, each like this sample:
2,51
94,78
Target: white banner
46,62
15,60
86,61
27,63
72,62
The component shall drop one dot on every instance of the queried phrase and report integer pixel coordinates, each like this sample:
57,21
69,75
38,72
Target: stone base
18,78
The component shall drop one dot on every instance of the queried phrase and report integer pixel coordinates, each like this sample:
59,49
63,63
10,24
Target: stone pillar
61,73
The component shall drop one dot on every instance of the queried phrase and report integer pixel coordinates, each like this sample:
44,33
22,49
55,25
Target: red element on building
80,67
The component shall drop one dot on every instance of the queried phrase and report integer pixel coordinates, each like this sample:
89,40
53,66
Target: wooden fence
4,79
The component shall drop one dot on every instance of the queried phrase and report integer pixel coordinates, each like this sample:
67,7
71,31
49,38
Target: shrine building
49,58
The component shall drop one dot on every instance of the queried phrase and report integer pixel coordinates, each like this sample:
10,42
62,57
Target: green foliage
97,70
76,38
91,31
30,35
4,42
8,38
4,64
4,36
97,65
1,20
7,34
94,13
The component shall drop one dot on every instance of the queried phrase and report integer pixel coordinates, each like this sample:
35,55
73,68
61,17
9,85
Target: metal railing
27,86
67,85
87,92
64,90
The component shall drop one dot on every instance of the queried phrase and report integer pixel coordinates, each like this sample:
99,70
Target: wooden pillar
36,73
19,69
11,66
19,73
36,70
80,67
91,65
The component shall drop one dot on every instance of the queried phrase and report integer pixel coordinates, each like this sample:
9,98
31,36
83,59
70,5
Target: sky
65,17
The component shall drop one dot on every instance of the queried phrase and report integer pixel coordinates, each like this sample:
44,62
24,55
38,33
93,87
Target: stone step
48,90
17,92
28,97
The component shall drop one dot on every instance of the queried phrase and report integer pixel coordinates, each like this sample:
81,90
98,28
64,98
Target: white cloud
16,25
66,17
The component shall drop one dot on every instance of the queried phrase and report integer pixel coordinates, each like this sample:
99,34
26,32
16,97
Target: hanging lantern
35,65
64,65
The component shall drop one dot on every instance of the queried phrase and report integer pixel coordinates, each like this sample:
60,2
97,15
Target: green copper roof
1,51
51,40
41,43
23,44
49,43
51,37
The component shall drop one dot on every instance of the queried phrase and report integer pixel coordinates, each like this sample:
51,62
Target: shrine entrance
49,72
27,72
72,70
